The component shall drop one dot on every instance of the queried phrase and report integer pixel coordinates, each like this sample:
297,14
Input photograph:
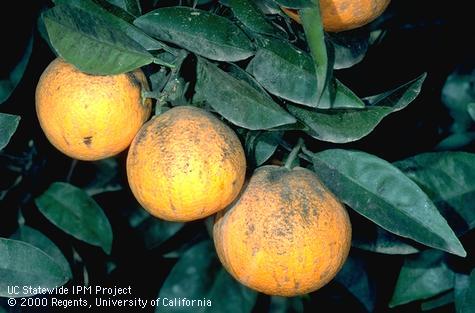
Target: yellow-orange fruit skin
286,235
341,15
185,164
90,117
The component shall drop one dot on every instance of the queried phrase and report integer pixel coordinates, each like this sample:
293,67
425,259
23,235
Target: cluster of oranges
282,232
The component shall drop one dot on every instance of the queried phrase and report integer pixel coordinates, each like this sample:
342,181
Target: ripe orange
286,235
185,164
90,117
341,15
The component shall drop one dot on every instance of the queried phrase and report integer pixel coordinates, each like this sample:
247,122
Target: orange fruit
286,235
185,164
341,15
90,117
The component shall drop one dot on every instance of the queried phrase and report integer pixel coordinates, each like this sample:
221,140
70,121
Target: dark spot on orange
87,140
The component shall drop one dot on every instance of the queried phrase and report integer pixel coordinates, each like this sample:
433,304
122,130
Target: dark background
422,36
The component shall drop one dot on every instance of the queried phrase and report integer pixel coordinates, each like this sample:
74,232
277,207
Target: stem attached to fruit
293,154
313,27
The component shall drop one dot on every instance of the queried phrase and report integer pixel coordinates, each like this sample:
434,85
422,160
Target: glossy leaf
115,22
351,124
130,6
265,145
448,178
382,193
106,177
371,237
354,277
248,13
40,241
456,141
439,301
198,275
76,213
8,126
22,264
236,100
465,293
198,31
90,44
154,231
471,110
422,276
287,72
349,47
9,84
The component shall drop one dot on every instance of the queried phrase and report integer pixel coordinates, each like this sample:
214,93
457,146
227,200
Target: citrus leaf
130,6
154,231
198,275
471,110
354,276
236,100
465,293
286,305
349,47
265,145
77,214
198,31
106,177
90,44
8,85
115,22
371,237
288,72
22,264
8,126
344,125
40,241
382,193
439,301
456,141
422,276
448,178
295,4
249,14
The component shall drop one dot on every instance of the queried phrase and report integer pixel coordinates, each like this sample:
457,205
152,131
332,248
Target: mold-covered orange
286,235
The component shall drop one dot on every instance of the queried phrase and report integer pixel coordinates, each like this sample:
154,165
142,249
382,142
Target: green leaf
288,72
354,276
77,214
369,236
130,6
236,100
91,44
448,178
439,301
115,22
382,193
40,241
471,110
265,145
351,124
349,47
456,141
9,84
313,28
198,275
286,305
465,292
106,177
422,276
154,231
8,126
249,14
198,31
22,264
295,4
